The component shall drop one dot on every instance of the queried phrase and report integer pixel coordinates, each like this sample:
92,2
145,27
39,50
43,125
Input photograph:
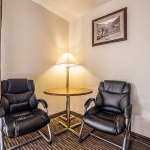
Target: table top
67,91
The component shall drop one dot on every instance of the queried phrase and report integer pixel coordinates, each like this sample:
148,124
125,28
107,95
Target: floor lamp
67,60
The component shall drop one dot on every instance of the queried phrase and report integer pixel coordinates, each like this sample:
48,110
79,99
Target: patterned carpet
69,141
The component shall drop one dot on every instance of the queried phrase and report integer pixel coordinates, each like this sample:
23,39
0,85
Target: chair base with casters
19,114
109,118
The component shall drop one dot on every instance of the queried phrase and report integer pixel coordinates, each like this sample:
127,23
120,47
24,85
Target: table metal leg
64,117
68,127
63,124
75,125
68,110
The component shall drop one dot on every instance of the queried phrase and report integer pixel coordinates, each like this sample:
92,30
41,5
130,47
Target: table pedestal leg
68,110
64,117
68,127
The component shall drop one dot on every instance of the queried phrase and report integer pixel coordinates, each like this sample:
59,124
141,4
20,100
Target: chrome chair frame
48,140
126,139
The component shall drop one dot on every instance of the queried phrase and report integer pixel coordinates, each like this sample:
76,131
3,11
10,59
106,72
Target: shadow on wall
135,101
136,106
140,124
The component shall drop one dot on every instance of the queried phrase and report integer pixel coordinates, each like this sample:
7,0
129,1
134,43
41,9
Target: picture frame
110,28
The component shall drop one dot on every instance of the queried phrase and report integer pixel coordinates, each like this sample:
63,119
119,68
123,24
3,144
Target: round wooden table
67,92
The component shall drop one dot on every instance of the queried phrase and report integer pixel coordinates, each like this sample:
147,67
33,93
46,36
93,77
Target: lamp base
64,117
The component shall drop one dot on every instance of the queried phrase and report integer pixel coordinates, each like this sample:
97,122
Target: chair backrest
18,95
113,96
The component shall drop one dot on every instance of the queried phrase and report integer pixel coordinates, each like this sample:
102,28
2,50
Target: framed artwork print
110,28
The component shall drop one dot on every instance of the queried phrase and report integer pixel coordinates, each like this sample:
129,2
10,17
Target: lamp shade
67,60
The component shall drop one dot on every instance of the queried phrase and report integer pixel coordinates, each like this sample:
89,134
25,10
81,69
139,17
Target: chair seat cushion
105,121
24,122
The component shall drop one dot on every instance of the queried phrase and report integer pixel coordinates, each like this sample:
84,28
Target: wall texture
127,60
33,39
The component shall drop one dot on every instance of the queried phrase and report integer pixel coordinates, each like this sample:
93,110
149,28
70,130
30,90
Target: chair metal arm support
2,112
43,102
128,111
88,102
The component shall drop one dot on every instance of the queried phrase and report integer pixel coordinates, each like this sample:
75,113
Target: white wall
127,60
32,41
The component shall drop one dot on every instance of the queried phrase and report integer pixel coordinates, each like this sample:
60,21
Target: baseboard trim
57,114
141,138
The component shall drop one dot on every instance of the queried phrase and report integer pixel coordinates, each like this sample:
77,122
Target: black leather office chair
19,114
111,113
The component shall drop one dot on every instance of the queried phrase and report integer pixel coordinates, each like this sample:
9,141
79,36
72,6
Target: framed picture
110,28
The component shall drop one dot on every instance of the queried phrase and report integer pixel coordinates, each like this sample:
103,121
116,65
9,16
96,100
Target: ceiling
70,9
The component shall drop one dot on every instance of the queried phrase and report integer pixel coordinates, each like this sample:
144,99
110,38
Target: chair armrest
128,111
2,112
88,102
43,102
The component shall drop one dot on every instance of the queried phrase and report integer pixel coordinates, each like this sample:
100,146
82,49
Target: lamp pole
67,98
67,77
